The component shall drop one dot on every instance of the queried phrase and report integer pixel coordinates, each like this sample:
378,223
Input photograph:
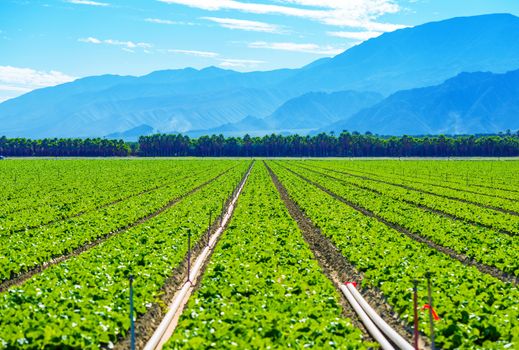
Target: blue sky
47,42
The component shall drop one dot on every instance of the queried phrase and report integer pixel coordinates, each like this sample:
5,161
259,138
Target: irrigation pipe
368,323
166,328
396,338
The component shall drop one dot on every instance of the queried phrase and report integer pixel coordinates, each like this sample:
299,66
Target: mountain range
302,114
420,80
470,103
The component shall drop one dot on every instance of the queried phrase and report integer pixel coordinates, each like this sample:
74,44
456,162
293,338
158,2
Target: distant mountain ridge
420,56
302,114
470,103
186,100
177,100
317,109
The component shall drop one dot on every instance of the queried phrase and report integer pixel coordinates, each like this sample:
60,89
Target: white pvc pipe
370,326
155,340
396,338
157,336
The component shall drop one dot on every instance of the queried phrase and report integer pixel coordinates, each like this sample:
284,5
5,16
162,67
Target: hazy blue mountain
177,100
251,125
317,63
317,109
189,99
301,114
466,104
420,56
132,134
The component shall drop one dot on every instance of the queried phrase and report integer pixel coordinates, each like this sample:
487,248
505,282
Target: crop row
487,176
458,193
83,302
43,179
486,246
486,217
262,288
476,310
80,194
21,251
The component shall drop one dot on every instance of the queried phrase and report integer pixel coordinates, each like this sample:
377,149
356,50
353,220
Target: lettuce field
74,232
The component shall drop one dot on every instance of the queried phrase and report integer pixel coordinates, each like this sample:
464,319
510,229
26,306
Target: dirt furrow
49,195
506,211
96,208
423,182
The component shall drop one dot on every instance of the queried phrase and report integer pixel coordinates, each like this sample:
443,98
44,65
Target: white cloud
241,24
361,36
357,8
205,54
167,21
295,47
14,88
128,44
239,63
125,44
342,13
31,77
88,2
91,40
15,80
160,21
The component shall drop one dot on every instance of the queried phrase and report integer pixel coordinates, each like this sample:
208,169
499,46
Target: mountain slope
177,100
466,104
420,56
317,109
301,114
189,99
249,125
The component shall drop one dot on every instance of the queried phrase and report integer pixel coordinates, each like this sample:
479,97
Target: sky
49,42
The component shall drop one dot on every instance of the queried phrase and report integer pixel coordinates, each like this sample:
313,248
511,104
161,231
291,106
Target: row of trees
328,145
21,147
322,145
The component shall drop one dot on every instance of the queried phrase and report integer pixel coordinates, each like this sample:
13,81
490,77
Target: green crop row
83,303
44,179
484,245
492,177
24,250
459,192
263,289
80,189
477,311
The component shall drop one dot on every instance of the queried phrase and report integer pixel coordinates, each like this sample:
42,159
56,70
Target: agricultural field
276,240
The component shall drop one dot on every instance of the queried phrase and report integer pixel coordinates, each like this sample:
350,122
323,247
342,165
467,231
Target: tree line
328,145
62,147
322,145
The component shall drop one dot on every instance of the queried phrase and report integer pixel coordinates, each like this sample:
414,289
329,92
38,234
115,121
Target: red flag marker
435,315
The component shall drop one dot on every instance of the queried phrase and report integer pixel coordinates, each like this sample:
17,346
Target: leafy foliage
263,288
83,302
23,250
477,310
480,243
